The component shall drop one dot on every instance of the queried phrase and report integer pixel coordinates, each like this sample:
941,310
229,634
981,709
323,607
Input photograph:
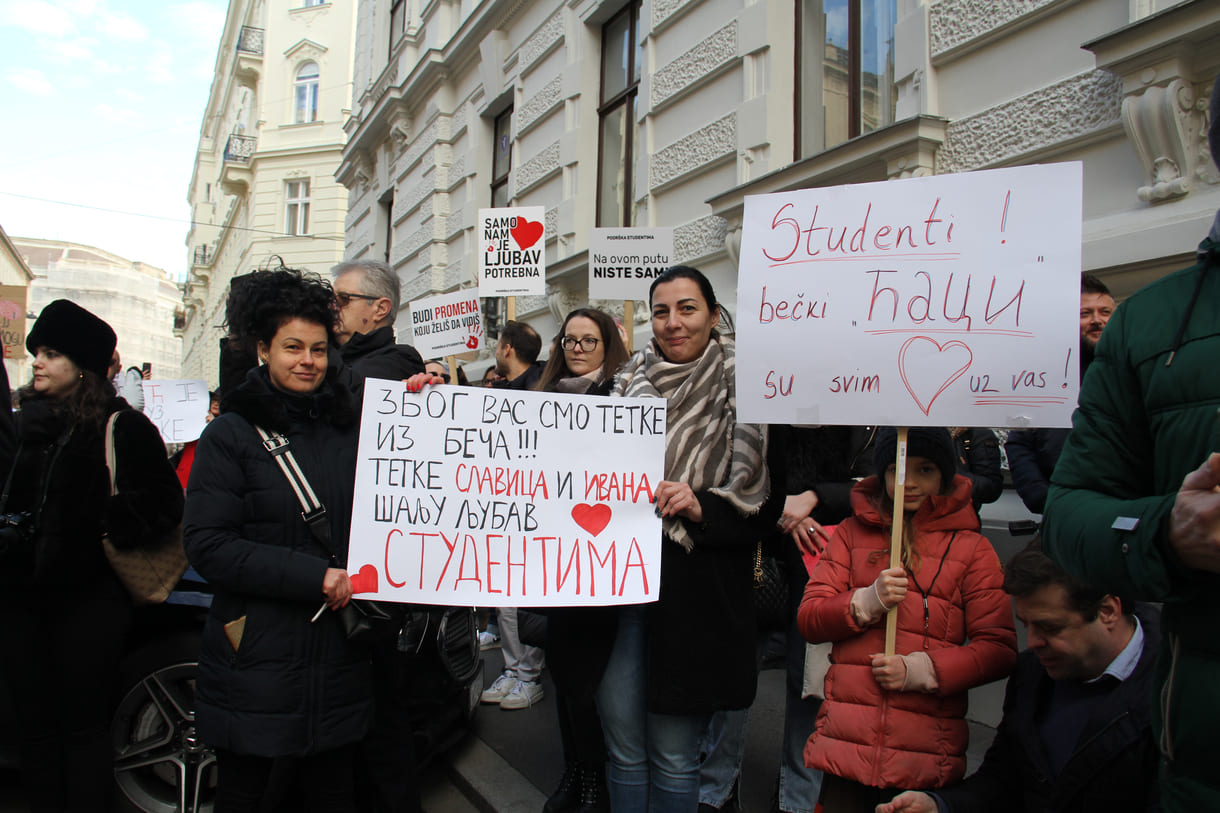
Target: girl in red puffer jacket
895,722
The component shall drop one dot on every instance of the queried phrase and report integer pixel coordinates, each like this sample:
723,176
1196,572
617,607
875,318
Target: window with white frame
308,3
306,93
296,212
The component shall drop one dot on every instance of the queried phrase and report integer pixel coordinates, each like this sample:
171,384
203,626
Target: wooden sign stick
629,323
900,478
512,308
451,363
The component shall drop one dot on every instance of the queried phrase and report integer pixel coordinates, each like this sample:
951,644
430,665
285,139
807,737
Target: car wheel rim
160,763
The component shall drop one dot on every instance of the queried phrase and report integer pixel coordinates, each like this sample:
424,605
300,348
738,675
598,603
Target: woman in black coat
584,357
63,607
273,682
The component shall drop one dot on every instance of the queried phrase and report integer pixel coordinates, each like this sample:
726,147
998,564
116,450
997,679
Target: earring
80,375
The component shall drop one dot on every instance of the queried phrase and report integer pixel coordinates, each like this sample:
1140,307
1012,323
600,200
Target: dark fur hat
68,328
933,443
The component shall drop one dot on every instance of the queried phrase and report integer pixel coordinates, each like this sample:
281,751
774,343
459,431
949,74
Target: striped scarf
705,447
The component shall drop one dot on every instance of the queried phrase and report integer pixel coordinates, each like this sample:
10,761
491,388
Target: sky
103,100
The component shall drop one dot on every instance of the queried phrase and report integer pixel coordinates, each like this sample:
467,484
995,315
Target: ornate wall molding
699,238
538,105
535,170
426,138
1168,127
953,23
1085,104
666,11
540,43
702,147
699,63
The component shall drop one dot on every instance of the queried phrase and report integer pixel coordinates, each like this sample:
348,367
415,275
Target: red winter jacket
906,739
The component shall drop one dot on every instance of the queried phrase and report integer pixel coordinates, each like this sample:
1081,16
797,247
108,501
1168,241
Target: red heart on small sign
526,232
365,581
593,518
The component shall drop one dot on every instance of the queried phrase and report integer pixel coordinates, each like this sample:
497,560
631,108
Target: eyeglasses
588,344
345,298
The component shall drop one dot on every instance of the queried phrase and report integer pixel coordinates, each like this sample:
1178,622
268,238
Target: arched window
306,94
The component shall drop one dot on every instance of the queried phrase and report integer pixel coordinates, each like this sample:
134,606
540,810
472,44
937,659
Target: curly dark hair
267,299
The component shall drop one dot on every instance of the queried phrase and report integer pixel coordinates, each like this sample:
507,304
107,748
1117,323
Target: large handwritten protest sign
943,301
12,321
512,251
178,408
447,324
624,262
504,498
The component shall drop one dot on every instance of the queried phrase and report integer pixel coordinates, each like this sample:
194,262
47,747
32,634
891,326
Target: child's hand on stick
890,672
891,586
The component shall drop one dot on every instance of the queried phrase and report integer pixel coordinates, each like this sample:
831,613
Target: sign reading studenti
512,251
178,408
942,301
447,324
624,262
490,498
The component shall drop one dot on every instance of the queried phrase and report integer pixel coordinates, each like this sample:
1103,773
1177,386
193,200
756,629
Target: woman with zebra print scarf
691,653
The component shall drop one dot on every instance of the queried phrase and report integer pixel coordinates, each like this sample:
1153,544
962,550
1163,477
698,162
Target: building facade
669,112
262,189
142,303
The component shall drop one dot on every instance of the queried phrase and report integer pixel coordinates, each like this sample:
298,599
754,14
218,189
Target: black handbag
770,591
363,621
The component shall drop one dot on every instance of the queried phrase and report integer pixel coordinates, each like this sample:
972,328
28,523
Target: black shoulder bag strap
363,620
312,510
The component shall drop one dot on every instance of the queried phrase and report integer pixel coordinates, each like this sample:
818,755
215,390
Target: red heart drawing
934,369
593,518
526,232
365,581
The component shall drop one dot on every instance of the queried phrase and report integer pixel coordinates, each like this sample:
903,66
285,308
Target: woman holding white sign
690,654
278,677
584,358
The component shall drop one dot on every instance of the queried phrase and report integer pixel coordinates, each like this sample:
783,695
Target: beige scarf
705,447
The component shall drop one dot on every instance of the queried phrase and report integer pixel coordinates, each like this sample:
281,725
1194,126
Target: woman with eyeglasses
691,653
584,358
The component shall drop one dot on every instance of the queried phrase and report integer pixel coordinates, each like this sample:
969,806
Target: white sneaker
499,689
523,695
488,640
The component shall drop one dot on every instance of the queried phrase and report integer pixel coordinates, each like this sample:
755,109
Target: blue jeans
654,758
725,746
798,786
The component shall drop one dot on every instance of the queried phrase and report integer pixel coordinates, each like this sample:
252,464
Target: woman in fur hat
63,607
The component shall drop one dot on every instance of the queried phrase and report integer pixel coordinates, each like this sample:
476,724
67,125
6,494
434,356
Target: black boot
567,796
594,796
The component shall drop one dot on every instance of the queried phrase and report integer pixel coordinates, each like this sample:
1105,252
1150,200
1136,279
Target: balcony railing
240,148
203,254
250,40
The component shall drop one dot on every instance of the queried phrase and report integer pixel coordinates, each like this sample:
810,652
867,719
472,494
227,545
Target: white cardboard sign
512,251
942,301
177,407
447,324
500,498
624,262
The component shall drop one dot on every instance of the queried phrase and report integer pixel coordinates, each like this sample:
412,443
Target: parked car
160,764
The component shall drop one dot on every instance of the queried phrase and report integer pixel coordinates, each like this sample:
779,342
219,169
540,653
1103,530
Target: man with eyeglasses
367,291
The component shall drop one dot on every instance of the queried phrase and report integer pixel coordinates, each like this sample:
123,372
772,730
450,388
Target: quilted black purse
770,591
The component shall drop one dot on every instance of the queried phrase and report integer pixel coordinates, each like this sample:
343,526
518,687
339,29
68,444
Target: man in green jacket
1134,503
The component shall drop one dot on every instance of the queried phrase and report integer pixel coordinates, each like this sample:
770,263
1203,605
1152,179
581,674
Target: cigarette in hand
318,614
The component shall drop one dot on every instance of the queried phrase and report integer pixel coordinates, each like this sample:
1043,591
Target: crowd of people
1110,708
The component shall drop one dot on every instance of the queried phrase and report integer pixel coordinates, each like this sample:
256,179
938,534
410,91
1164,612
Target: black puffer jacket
290,687
78,510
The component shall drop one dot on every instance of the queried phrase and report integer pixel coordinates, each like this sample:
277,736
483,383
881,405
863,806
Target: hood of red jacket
944,512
